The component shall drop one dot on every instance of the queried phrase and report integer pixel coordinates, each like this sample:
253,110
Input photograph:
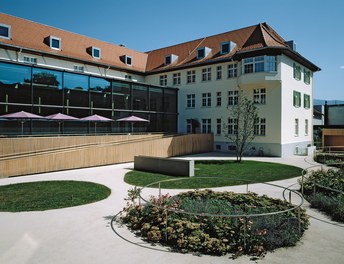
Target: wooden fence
93,152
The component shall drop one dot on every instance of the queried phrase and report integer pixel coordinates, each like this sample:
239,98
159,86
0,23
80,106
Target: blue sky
316,27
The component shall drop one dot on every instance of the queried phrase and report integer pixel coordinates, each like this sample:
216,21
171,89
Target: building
204,74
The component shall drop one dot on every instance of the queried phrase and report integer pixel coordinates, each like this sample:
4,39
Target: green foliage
190,222
39,196
330,201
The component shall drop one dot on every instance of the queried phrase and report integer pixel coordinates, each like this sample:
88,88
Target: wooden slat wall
12,146
106,154
332,137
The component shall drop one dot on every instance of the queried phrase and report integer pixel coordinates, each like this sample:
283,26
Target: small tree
243,114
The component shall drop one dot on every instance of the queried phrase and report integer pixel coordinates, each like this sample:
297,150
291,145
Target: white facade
277,108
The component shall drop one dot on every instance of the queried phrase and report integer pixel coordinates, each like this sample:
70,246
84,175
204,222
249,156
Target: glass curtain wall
46,92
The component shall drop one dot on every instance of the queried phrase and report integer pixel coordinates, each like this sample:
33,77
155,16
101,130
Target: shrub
324,190
203,231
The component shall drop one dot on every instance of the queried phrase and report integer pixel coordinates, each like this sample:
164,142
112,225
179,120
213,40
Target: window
296,99
191,76
206,74
306,127
296,132
190,100
188,126
129,77
270,64
232,70
232,97
227,47
218,126
306,76
218,99
128,60
232,126
206,125
55,43
163,80
31,60
306,101
260,64
259,96
260,127
5,31
206,99
203,52
176,78
218,147
96,53
297,72
218,72
169,59
78,68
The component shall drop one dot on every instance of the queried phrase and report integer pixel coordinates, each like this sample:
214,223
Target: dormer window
227,47
96,53
55,43
203,52
128,60
5,31
170,59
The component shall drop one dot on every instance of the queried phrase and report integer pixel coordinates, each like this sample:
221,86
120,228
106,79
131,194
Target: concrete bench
175,167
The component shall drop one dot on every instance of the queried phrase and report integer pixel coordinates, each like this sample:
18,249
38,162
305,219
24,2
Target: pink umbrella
61,117
132,119
22,116
95,119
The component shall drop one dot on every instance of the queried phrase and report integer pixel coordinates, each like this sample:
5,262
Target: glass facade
45,92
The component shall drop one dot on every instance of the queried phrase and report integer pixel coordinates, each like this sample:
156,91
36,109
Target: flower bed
325,191
216,223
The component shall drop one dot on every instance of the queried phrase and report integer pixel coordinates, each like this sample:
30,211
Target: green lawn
219,173
45,195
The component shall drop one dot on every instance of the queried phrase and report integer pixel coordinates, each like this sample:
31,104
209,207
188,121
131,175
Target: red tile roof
31,35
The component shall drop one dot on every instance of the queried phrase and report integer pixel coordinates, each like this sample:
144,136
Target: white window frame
128,58
206,74
232,126
189,126
30,60
176,78
206,125
78,68
218,126
218,98
163,80
260,127
259,96
190,100
232,70
218,72
233,97
100,52
9,31
259,64
191,76
206,99
306,127
296,128
51,42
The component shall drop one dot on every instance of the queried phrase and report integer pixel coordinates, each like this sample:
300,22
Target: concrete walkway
83,234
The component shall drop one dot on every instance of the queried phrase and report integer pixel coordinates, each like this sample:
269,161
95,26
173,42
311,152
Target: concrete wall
173,167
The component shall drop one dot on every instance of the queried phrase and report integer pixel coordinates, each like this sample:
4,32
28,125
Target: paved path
83,234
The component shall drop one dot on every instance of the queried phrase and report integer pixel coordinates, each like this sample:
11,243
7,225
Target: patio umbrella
22,116
60,117
132,119
95,119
